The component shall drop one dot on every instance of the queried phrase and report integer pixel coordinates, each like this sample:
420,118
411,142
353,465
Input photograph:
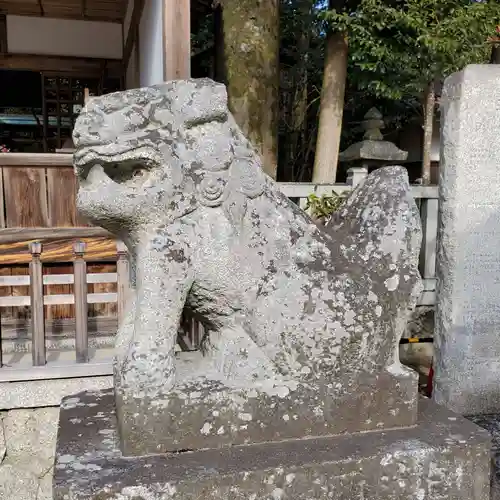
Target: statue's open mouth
121,166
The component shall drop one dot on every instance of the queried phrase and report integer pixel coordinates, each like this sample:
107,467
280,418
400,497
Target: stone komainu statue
298,318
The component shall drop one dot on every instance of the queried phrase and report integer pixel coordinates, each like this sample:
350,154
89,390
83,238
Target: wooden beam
78,66
133,31
176,39
59,279
55,249
41,160
15,234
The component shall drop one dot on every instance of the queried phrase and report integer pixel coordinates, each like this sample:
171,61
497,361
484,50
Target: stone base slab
491,422
200,412
443,457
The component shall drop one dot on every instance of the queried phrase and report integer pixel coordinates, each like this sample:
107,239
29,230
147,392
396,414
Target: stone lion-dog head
154,154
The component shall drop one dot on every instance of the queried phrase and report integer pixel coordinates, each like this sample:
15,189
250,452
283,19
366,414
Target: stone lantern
372,152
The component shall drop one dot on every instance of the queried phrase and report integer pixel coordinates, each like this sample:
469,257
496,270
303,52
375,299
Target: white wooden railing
82,363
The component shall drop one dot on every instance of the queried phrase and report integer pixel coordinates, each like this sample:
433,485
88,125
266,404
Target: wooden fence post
37,312
1,353
81,307
123,279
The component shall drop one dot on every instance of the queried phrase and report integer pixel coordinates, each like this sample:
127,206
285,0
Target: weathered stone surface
467,347
26,471
302,323
444,457
44,491
206,415
44,393
31,438
491,422
18,484
28,436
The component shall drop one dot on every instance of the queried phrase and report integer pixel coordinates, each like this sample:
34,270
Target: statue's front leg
145,372
125,333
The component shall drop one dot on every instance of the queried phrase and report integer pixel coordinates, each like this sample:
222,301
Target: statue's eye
124,172
138,172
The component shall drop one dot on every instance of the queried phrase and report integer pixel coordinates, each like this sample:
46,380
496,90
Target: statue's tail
377,232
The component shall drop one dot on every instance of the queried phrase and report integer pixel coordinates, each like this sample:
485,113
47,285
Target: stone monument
467,343
467,367
297,391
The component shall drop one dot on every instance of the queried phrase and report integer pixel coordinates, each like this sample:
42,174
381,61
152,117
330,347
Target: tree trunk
251,53
430,101
331,109
495,54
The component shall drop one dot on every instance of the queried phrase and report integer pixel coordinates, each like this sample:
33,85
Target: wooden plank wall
39,191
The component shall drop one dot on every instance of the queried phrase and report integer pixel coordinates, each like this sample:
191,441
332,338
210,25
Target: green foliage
321,207
397,48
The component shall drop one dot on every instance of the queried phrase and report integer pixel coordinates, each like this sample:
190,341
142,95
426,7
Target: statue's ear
247,176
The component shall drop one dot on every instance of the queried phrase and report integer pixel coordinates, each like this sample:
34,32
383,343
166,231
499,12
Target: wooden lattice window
63,99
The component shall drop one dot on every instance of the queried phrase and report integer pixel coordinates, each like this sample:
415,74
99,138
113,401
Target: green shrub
322,207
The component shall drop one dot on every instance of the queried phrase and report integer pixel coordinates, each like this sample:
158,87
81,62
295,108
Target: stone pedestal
200,412
442,457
